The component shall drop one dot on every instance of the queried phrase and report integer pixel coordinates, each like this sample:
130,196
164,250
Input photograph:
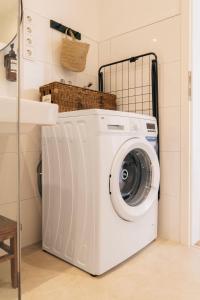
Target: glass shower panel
9,158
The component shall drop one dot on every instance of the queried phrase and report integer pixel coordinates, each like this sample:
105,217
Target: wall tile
92,58
9,210
78,79
170,173
166,35
80,15
56,43
32,140
123,16
29,162
41,37
34,75
163,38
8,178
170,129
104,53
31,218
8,143
44,69
169,218
169,84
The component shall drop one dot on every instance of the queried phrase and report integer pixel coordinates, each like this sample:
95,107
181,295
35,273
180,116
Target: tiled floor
163,270
6,291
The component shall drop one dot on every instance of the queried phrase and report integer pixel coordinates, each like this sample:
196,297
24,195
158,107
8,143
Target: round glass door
135,177
134,180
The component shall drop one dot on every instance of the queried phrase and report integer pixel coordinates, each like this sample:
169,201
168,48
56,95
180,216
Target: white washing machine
100,187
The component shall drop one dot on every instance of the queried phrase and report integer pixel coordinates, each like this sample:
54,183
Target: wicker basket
69,97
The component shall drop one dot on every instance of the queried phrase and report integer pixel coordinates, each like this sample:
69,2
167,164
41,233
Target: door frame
195,124
190,123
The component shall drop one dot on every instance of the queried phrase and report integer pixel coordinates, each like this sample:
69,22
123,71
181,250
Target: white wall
135,26
119,17
81,15
123,32
45,68
8,152
195,124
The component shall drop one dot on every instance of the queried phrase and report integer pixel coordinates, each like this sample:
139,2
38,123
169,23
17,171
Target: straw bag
74,54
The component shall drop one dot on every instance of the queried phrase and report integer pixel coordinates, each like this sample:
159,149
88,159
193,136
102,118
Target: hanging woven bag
73,53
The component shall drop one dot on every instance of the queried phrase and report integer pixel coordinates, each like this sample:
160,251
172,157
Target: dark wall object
64,29
10,64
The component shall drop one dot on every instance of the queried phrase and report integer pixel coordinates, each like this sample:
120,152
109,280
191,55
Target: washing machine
100,187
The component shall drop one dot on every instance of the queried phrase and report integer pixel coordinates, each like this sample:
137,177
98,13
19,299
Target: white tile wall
9,210
170,172
169,84
31,217
163,38
8,178
45,68
169,217
78,14
170,128
127,15
8,153
167,46
29,161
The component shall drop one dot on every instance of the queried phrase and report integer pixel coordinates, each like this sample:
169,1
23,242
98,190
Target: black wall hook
64,29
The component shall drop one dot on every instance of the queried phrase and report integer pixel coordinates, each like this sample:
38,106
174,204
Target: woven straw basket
69,97
73,54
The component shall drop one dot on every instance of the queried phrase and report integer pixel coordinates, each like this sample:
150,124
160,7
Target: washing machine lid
134,179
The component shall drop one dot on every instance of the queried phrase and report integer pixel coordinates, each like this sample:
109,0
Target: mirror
8,22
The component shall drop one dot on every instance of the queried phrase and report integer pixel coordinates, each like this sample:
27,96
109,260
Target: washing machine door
134,179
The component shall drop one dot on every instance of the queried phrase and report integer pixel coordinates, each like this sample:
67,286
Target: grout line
169,106
21,152
8,203
170,196
31,198
21,200
170,151
140,27
26,9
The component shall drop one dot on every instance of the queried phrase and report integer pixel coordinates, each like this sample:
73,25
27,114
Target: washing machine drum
134,180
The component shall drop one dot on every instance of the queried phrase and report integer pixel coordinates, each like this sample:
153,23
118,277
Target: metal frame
143,85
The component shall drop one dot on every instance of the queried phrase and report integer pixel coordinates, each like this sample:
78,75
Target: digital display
151,126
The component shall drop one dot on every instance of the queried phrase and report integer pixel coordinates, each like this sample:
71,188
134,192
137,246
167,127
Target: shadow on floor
39,267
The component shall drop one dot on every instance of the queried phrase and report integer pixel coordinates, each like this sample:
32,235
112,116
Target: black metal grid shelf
134,81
